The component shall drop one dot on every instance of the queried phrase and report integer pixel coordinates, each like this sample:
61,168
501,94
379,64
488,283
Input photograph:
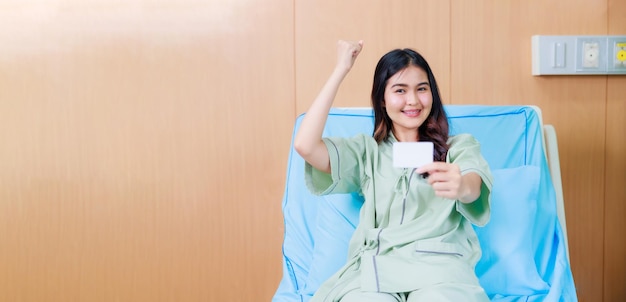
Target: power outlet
620,55
591,55
617,53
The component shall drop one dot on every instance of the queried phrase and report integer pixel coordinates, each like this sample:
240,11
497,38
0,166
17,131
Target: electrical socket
620,55
617,53
591,55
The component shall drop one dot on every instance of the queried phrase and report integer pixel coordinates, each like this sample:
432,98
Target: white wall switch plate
578,55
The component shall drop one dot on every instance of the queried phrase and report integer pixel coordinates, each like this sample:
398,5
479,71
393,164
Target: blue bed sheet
524,253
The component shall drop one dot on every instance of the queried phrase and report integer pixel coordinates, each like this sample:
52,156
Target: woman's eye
400,91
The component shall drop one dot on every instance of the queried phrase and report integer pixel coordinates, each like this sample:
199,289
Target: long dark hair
435,127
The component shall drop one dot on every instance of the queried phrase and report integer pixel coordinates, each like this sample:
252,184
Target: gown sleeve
347,160
465,152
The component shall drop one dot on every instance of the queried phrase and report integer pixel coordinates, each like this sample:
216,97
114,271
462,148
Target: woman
414,241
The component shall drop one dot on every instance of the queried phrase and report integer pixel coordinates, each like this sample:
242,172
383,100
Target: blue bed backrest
524,257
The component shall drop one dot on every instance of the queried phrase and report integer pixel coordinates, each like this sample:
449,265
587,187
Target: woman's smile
412,112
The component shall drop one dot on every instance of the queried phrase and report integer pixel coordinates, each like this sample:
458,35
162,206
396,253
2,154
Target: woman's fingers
445,178
348,51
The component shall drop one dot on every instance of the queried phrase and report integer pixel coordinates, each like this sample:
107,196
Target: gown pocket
438,248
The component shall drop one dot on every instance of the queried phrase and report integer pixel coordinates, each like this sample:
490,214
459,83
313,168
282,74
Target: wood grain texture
145,146
615,201
615,186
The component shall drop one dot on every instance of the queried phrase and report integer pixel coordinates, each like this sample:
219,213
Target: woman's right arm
308,142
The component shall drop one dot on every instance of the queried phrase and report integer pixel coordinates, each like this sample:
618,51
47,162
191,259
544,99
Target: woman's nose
411,99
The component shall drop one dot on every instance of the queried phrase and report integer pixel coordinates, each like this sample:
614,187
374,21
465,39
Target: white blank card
412,154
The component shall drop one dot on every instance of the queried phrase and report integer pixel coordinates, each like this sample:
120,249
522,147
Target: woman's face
408,102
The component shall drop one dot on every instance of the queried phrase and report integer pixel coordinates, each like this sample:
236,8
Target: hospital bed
524,246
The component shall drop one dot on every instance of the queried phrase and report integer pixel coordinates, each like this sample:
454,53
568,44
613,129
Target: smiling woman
402,212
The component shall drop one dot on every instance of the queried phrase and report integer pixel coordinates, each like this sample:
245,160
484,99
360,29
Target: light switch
559,55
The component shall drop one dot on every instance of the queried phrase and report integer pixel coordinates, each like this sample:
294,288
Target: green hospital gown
407,237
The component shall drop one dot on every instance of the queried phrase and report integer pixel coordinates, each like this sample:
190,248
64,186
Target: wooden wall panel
383,25
615,201
144,151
